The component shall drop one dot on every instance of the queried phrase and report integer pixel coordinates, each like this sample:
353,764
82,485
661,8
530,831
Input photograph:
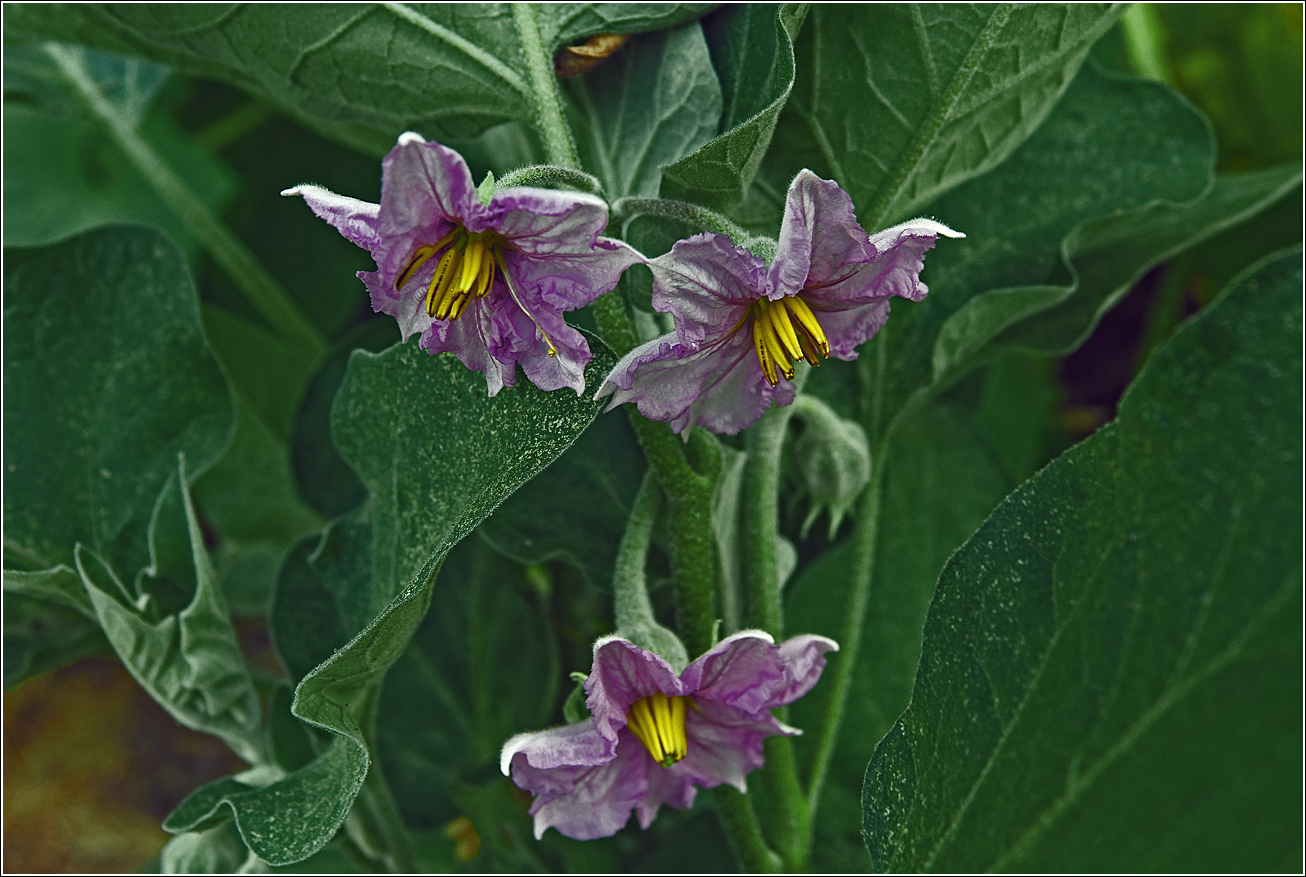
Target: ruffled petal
720,387
819,236
803,660
849,328
894,269
567,367
569,280
355,220
706,284
742,670
474,338
426,190
725,743
538,753
587,801
621,674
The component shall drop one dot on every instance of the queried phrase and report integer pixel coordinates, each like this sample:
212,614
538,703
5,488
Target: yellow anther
473,256
485,277
658,722
768,364
424,254
784,329
807,322
438,291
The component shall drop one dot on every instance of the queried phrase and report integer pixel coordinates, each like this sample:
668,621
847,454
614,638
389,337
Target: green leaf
653,103
254,512
358,74
563,23
1109,255
107,380
63,177
905,102
462,689
171,629
942,478
437,455
48,622
753,53
1112,146
1110,678
216,851
576,509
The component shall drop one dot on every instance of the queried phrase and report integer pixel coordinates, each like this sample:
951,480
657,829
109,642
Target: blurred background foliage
92,764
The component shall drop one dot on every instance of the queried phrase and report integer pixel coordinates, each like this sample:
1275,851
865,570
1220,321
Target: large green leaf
901,103
1111,676
107,379
1112,146
359,74
462,687
436,455
753,53
942,479
652,104
63,177
576,509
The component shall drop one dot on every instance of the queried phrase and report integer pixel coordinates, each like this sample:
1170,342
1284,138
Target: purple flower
655,736
741,325
488,282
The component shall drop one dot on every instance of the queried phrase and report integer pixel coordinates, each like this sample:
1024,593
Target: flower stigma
466,270
659,723
784,331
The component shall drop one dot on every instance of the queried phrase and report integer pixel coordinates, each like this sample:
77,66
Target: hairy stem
741,829
558,142
859,589
246,272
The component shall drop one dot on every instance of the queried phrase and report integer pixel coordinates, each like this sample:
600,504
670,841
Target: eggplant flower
486,281
655,736
740,326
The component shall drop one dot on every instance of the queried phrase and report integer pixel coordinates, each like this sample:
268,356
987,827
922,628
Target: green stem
558,142
765,441
787,826
691,214
827,733
740,823
634,611
689,494
385,814
235,259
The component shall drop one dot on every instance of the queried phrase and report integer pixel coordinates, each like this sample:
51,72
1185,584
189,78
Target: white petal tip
410,137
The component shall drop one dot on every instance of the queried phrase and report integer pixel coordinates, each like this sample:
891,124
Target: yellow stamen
438,291
472,258
785,331
516,296
768,364
807,322
423,254
485,278
658,722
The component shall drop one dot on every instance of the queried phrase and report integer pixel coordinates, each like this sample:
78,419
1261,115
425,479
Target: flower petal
572,353
356,220
568,280
621,674
706,284
720,387
803,659
742,670
819,236
426,189
475,338
586,801
577,745
725,743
